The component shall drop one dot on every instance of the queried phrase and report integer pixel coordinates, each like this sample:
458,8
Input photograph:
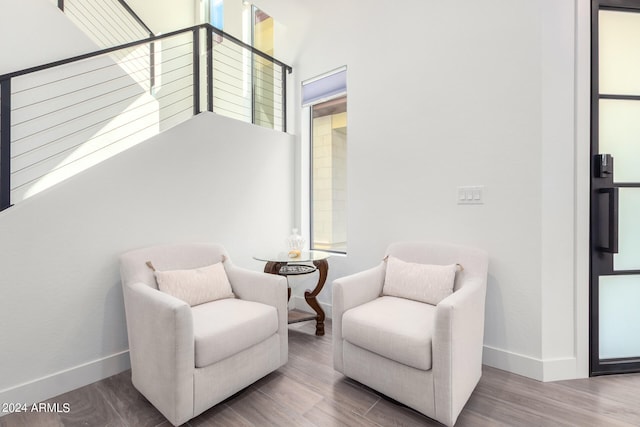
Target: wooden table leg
322,266
310,296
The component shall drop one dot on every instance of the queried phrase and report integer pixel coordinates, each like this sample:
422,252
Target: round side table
284,265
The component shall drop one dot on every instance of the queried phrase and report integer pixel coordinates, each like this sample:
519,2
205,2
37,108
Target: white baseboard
64,381
512,362
299,303
560,369
531,367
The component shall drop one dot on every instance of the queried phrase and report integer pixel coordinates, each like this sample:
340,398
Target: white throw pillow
196,286
418,282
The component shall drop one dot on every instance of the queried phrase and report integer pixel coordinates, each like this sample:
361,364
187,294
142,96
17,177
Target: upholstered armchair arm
348,292
267,289
457,348
161,348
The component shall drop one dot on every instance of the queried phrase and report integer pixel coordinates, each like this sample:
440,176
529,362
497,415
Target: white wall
291,19
445,94
209,179
35,32
164,16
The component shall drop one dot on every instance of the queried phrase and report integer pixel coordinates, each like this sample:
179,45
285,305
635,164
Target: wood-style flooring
308,392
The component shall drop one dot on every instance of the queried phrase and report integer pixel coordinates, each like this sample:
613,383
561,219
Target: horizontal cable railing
108,22
112,23
246,86
64,117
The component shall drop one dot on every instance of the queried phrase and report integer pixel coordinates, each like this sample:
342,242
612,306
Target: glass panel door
619,32
619,317
615,187
619,135
628,256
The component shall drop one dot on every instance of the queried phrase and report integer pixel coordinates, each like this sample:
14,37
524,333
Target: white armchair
427,357
186,359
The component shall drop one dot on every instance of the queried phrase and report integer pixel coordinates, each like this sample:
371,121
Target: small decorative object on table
295,243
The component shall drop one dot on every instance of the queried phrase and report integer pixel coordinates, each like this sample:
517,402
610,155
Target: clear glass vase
295,243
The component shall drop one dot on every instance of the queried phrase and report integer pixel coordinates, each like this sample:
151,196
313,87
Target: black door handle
608,228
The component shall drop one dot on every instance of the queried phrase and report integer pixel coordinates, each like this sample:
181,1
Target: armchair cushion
396,328
419,282
225,327
196,286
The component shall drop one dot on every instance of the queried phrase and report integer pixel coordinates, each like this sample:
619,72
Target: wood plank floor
308,392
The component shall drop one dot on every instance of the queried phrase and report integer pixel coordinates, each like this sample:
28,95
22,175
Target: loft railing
63,117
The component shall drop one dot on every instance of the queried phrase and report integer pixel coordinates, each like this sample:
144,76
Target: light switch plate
471,195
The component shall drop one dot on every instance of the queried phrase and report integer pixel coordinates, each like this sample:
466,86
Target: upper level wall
164,16
291,21
36,32
67,118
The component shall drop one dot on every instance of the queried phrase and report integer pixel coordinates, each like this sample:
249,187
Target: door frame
603,263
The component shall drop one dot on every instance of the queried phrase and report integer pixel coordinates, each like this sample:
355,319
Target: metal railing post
196,71
209,69
152,66
5,144
253,89
284,98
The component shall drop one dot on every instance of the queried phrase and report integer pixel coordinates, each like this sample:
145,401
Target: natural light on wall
69,118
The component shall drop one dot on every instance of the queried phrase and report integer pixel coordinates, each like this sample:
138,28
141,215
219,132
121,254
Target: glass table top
305,256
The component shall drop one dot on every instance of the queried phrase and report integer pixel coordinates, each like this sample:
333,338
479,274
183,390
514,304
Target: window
327,100
216,13
267,98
